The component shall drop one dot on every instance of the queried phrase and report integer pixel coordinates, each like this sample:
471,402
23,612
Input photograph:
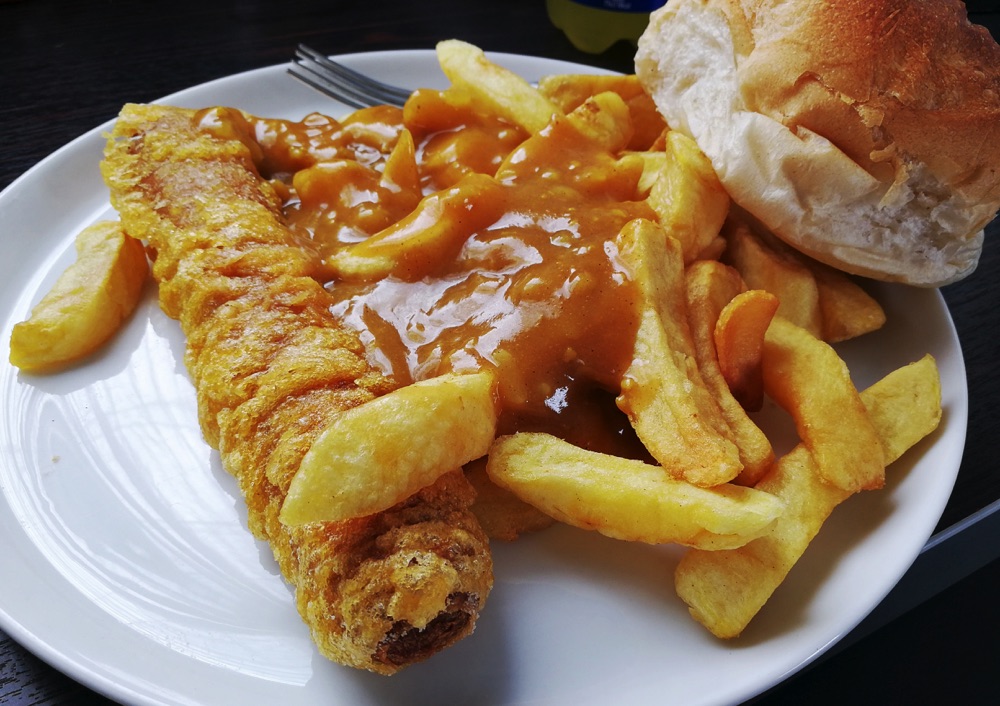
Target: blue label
623,5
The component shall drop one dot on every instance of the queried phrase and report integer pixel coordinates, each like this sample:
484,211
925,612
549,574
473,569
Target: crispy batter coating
272,367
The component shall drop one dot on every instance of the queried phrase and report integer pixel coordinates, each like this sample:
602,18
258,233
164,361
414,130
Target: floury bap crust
862,133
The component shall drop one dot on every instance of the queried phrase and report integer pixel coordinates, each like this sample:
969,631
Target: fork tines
342,83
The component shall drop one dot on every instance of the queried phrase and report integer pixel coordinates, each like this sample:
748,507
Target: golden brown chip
817,297
86,305
627,499
725,590
687,196
777,272
497,89
383,451
501,514
672,409
569,91
417,244
809,379
848,310
739,341
711,288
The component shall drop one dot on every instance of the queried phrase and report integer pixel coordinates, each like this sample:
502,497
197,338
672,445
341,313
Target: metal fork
341,83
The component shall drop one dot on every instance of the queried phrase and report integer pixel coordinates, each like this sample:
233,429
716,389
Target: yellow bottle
594,25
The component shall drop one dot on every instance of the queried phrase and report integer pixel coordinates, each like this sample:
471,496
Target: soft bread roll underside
772,98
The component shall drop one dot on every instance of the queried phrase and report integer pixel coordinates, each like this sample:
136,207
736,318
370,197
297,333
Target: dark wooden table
66,67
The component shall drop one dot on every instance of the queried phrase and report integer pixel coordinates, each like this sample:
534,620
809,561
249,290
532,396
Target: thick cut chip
671,408
603,119
725,590
779,273
807,378
739,340
602,122
848,310
380,453
501,514
497,90
688,197
415,245
401,169
569,91
817,297
624,498
711,288
86,305
601,127
652,165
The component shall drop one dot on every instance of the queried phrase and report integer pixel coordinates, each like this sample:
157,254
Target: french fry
328,195
413,246
600,127
806,377
456,138
501,514
497,89
569,91
785,277
86,305
627,499
688,197
739,343
848,310
672,409
819,298
379,453
604,119
714,250
725,590
653,164
711,287
401,170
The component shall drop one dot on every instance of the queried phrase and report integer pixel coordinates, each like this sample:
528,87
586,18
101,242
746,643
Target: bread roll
865,133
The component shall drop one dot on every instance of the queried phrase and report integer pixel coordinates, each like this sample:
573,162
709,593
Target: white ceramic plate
127,565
